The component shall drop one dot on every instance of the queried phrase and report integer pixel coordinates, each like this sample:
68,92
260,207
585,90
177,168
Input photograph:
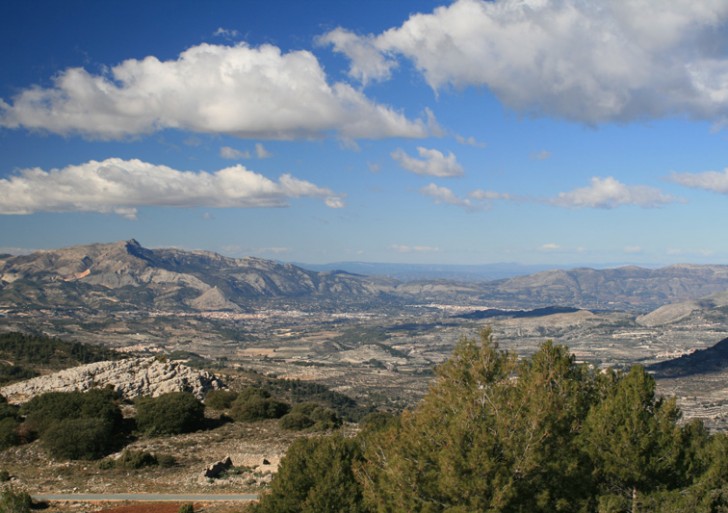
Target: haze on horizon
431,132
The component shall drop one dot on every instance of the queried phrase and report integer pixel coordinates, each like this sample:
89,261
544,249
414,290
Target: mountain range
127,276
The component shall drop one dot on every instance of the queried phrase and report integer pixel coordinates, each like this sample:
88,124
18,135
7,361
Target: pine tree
632,438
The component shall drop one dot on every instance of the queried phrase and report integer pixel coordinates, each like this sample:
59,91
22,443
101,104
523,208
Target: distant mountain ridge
127,276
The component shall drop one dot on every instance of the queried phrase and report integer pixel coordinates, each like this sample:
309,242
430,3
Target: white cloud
236,90
549,246
367,60
226,33
261,152
374,167
541,155
121,186
431,163
591,62
609,193
469,141
482,195
476,200
443,195
716,181
402,248
229,153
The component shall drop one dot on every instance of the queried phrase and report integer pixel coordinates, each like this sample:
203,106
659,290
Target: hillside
125,275
623,288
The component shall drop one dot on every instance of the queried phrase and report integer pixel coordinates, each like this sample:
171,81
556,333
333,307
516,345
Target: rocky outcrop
131,378
218,468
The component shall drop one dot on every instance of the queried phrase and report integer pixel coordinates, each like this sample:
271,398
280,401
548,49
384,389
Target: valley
377,339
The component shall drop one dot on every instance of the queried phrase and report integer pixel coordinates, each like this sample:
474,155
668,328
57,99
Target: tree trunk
634,499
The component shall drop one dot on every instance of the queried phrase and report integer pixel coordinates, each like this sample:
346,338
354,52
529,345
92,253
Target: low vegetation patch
169,414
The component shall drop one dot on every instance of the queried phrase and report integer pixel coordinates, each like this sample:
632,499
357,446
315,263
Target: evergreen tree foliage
316,476
13,501
220,399
496,434
633,439
253,404
84,438
492,434
169,414
47,409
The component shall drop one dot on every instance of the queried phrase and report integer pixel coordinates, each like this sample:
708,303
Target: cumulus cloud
237,90
431,162
368,62
716,181
122,186
609,193
478,199
591,62
229,153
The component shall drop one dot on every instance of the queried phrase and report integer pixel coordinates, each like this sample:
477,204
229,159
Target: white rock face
133,377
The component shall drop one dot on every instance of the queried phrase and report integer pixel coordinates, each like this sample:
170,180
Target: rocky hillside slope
131,378
125,275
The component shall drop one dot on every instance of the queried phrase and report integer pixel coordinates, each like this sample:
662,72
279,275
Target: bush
4,476
248,393
8,410
220,399
187,508
296,421
258,408
137,459
166,460
45,410
9,432
15,502
170,414
311,416
79,439
316,474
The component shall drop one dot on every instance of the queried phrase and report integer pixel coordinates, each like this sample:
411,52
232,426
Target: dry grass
247,444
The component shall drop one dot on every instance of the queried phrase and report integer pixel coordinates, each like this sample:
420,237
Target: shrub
9,432
137,459
258,408
186,508
8,410
79,439
316,474
4,476
172,413
220,399
311,416
45,410
296,421
248,393
14,502
166,460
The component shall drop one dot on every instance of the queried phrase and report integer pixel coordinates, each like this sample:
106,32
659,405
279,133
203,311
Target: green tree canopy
169,414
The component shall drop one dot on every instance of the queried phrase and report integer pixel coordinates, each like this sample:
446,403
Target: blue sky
467,132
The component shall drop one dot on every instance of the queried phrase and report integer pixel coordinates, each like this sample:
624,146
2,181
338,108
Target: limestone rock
131,378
